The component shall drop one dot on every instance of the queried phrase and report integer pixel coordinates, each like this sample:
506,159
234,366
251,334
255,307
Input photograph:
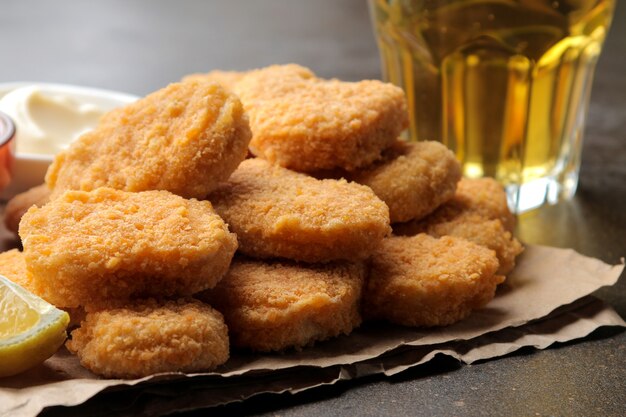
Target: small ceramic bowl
29,170
7,133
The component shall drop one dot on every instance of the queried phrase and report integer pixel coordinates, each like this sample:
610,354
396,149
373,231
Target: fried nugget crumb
475,228
309,124
151,337
184,138
412,178
19,204
479,213
483,196
278,213
13,266
424,281
86,247
273,306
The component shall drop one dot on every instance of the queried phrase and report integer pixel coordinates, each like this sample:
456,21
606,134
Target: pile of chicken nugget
259,211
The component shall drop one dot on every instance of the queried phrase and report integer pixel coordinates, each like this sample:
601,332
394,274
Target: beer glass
505,84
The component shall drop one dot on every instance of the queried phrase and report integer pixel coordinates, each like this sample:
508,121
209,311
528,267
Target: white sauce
47,121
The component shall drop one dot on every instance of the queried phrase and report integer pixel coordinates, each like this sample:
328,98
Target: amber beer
503,83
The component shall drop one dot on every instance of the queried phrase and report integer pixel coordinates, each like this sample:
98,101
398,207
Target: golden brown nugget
151,337
13,266
85,247
273,306
413,178
184,138
477,229
278,213
308,124
18,205
483,196
424,281
227,79
478,212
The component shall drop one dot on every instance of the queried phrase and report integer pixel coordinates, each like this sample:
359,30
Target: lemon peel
31,330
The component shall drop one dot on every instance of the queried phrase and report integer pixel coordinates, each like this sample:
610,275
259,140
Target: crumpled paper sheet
546,284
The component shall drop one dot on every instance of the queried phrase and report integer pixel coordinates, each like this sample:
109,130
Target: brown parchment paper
185,394
537,306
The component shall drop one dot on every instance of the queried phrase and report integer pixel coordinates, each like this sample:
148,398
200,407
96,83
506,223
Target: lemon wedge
31,330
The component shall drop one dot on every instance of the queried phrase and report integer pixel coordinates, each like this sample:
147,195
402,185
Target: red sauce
7,133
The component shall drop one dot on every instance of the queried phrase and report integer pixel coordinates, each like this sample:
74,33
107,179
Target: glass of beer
505,84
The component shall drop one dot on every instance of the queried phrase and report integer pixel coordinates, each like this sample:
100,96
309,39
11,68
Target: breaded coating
308,124
278,213
184,138
227,79
478,212
18,205
475,228
412,178
85,247
13,266
483,196
149,337
273,306
424,281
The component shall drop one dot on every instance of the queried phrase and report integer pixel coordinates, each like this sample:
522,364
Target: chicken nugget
475,228
13,266
478,212
227,79
484,196
309,124
273,306
85,247
18,205
424,281
276,212
151,337
412,178
184,138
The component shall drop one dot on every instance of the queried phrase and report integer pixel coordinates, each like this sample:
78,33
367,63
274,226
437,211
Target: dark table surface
140,46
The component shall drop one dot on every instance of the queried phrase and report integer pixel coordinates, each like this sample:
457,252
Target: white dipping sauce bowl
29,170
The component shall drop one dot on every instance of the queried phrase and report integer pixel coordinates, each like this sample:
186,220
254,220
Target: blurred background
139,46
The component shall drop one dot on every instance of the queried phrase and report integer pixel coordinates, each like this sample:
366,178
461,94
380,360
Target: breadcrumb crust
19,204
424,281
309,124
276,212
150,337
412,178
479,213
86,247
184,138
273,306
